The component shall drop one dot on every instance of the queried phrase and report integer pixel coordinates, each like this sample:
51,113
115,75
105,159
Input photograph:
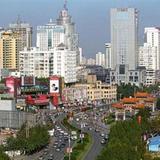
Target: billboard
10,84
27,81
54,85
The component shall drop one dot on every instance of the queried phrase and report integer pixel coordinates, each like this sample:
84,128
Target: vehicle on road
103,141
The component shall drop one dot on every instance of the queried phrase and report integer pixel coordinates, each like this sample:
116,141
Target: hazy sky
92,17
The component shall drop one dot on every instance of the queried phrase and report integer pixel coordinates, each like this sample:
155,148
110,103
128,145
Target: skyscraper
25,32
50,36
10,45
100,59
57,51
71,37
124,38
55,33
108,55
152,38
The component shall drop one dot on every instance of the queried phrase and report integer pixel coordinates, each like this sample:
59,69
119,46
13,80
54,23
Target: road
50,152
93,124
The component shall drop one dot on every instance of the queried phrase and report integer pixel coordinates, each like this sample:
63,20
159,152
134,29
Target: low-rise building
122,74
100,91
153,144
139,101
74,94
84,70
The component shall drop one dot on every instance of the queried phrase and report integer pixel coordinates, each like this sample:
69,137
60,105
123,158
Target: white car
65,134
77,119
73,137
102,135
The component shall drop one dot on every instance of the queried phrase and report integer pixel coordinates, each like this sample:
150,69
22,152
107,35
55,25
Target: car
106,137
45,153
65,134
102,134
77,119
103,141
65,139
90,128
40,158
74,137
63,145
51,155
58,149
61,131
56,142
54,146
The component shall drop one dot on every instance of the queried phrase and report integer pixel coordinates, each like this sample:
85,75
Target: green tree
158,103
125,140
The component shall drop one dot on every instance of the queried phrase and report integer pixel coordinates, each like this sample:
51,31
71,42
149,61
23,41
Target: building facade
108,55
152,38
124,75
10,45
124,22
91,61
85,70
58,61
149,54
50,36
99,91
25,32
100,59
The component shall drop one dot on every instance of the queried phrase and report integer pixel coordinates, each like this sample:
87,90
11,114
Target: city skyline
93,33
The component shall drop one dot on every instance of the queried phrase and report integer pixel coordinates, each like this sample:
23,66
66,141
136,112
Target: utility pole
69,141
27,129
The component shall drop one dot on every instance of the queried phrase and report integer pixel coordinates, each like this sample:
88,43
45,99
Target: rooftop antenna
65,4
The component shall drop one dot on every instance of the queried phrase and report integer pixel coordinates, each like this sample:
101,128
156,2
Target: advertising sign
54,86
10,83
27,81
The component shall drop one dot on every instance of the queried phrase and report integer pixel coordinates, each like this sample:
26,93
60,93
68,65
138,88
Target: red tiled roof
129,100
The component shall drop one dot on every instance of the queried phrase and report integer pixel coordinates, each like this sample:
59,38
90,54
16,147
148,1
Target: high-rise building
62,31
10,45
71,37
91,61
152,38
25,32
108,55
50,36
58,61
57,51
148,56
124,23
2,30
100,59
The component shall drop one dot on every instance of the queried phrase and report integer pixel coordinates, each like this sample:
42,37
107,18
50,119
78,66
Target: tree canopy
125,140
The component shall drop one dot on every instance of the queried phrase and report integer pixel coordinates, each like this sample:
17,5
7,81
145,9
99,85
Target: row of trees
3,156
126,140
38,138
127,90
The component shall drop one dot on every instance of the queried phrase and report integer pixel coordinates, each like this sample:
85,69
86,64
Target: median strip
80,149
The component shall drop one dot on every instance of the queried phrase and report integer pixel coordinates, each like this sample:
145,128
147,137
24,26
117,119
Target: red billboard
10,84
40,100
